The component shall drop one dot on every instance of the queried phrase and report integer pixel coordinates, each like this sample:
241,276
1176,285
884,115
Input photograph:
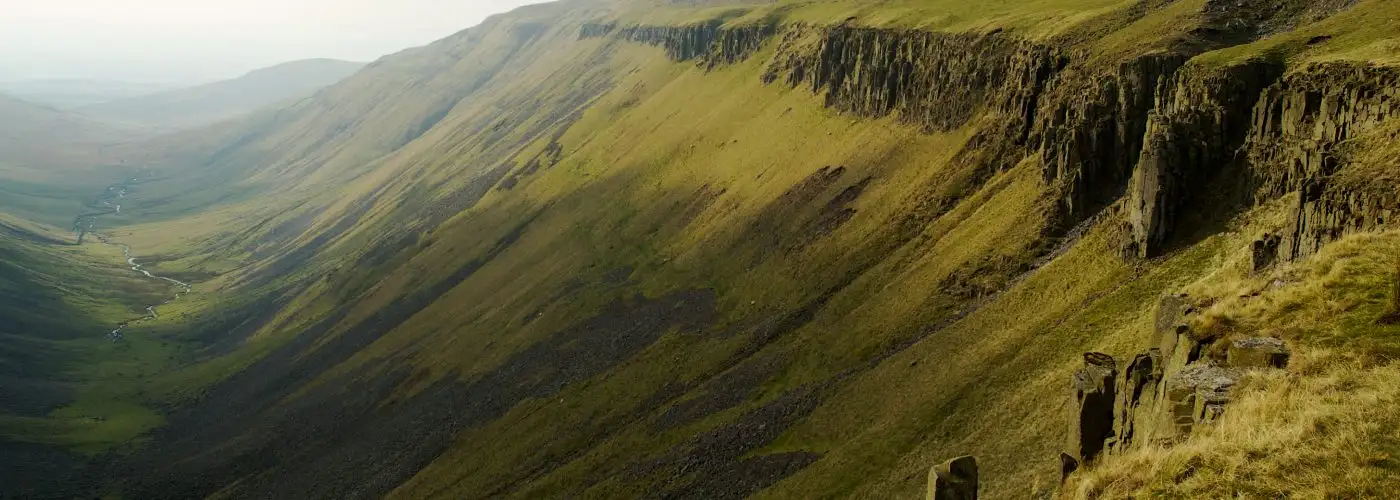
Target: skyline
187,42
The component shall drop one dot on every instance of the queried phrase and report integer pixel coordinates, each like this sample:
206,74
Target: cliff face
1090,134
1297,143
711,43
1192,135
936,80
1146,130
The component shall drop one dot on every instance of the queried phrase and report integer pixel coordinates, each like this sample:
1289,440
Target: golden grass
1328,427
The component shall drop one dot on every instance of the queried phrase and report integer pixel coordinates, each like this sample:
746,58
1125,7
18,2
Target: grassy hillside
792,250
223,100
66,391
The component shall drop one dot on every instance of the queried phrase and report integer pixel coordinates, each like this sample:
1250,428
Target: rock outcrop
1174,387
1089,130
596,30
1197,396
936,80
1296,144
1192,136
1091,424
1139,386
1264,252
1257,352
955,479
711,43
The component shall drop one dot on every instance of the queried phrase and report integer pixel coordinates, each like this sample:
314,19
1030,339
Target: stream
109,203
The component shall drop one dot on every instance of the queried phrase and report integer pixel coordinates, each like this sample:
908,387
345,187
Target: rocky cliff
710,43
1297,144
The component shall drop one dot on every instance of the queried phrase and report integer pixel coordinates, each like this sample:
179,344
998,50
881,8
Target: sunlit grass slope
523,263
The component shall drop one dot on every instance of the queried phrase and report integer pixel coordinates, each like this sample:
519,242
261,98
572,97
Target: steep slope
218,101
793,250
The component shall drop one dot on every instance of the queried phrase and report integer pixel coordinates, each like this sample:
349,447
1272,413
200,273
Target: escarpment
712,43
1192,135
1297,144
596,30
1089,129
938,81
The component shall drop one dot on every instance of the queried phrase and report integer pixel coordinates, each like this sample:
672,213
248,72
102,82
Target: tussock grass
1328,427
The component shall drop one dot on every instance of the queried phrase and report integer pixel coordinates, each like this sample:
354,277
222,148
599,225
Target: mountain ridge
217,101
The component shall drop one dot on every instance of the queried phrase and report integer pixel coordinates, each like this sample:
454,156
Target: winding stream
86,223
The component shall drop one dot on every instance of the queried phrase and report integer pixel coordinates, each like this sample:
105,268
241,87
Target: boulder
1265,252
1067,466
955,479
1091,424
1197,395
1257,352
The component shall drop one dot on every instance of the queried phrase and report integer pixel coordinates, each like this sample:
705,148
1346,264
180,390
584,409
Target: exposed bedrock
1191,137
1091,425
955,479
1089,129
1181,382
1297,143
710,43
596,30
937,80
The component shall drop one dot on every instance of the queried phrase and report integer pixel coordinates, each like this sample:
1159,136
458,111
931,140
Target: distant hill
24,121
72,93
195,106
50,158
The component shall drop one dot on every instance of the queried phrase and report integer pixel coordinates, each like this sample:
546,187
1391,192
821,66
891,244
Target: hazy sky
192,40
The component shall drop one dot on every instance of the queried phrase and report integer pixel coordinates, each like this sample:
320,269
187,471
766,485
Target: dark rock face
1299,126
1264,252
711,42
1191,136
1090,133
955,479
936,80
596,30
1067,466
1139,386
1091,425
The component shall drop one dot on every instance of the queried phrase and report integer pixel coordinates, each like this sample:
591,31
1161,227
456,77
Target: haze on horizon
192,41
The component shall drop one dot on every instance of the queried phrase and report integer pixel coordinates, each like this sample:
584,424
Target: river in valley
110,203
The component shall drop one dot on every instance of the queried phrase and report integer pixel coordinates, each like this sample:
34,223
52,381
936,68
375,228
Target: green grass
684,175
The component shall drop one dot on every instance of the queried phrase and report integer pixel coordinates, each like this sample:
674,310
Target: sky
191,41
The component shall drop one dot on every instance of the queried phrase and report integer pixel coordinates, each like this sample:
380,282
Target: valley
111,199
713,249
